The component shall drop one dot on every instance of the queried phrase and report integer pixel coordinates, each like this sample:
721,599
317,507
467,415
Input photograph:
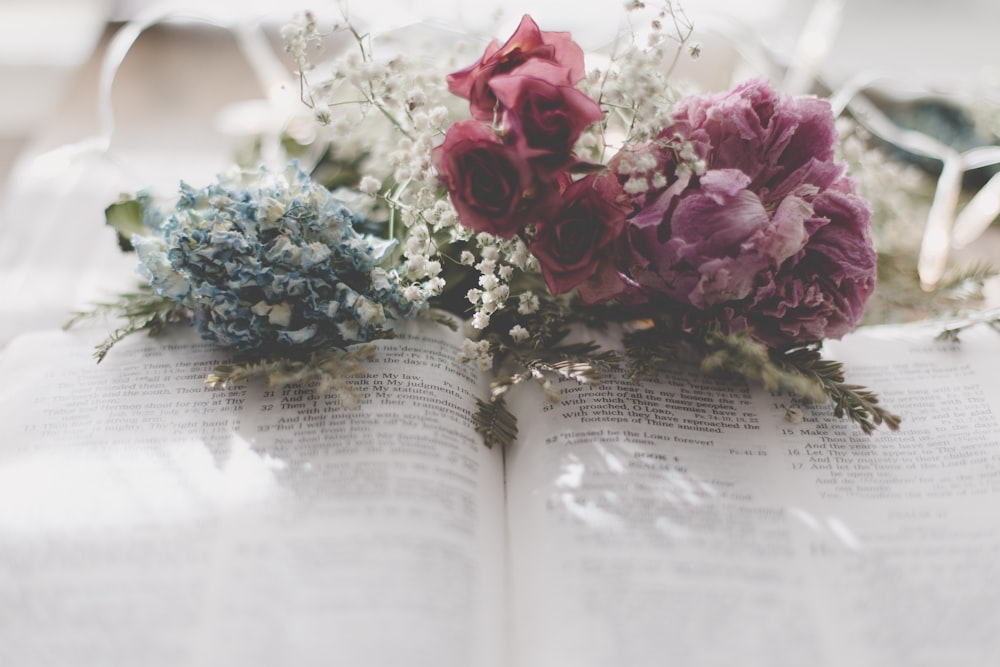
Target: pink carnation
770,236
822,292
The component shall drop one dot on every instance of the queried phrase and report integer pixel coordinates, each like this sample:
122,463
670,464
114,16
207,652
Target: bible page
146,519
698,521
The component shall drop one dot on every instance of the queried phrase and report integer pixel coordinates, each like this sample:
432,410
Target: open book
147,520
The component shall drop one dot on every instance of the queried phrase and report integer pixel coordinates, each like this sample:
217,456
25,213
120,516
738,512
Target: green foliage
581,362
740,354
648,352
800,371
952,330
327,371
856,403
126,219
142,310
900,297
495,423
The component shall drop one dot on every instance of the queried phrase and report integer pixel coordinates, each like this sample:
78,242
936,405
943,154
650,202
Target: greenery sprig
858,404
495,423
327,371
142,310
900,298
584,363
953,329
801,371
648,353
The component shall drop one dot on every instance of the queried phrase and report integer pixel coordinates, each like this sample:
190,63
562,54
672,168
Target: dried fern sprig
801,371
967,283
328,371
648,352
142,310
951,331
900,298
742,355
495,423
581,362
858,404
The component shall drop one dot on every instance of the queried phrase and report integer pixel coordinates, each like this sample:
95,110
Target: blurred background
102,97
47,45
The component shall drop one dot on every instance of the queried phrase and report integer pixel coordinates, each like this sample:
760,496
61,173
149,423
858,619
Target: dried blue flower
271,263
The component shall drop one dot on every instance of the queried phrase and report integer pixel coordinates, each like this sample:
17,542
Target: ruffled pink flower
528,43
492,188
821,293
770,236
574,247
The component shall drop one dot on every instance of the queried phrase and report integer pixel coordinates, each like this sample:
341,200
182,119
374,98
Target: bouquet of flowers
525,193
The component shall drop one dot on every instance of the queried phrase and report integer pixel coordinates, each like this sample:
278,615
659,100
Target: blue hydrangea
271,263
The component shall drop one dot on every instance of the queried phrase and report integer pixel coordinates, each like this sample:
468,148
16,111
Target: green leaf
126,219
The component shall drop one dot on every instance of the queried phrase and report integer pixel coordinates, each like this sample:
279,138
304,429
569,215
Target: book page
689,522
146,519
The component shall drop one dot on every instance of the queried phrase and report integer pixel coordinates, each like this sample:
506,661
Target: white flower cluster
299,37
499,259
635,83
478,351
639,164
386,116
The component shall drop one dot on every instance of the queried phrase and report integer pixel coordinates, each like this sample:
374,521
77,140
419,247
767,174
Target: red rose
492,188
527,43
543,114
575,247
